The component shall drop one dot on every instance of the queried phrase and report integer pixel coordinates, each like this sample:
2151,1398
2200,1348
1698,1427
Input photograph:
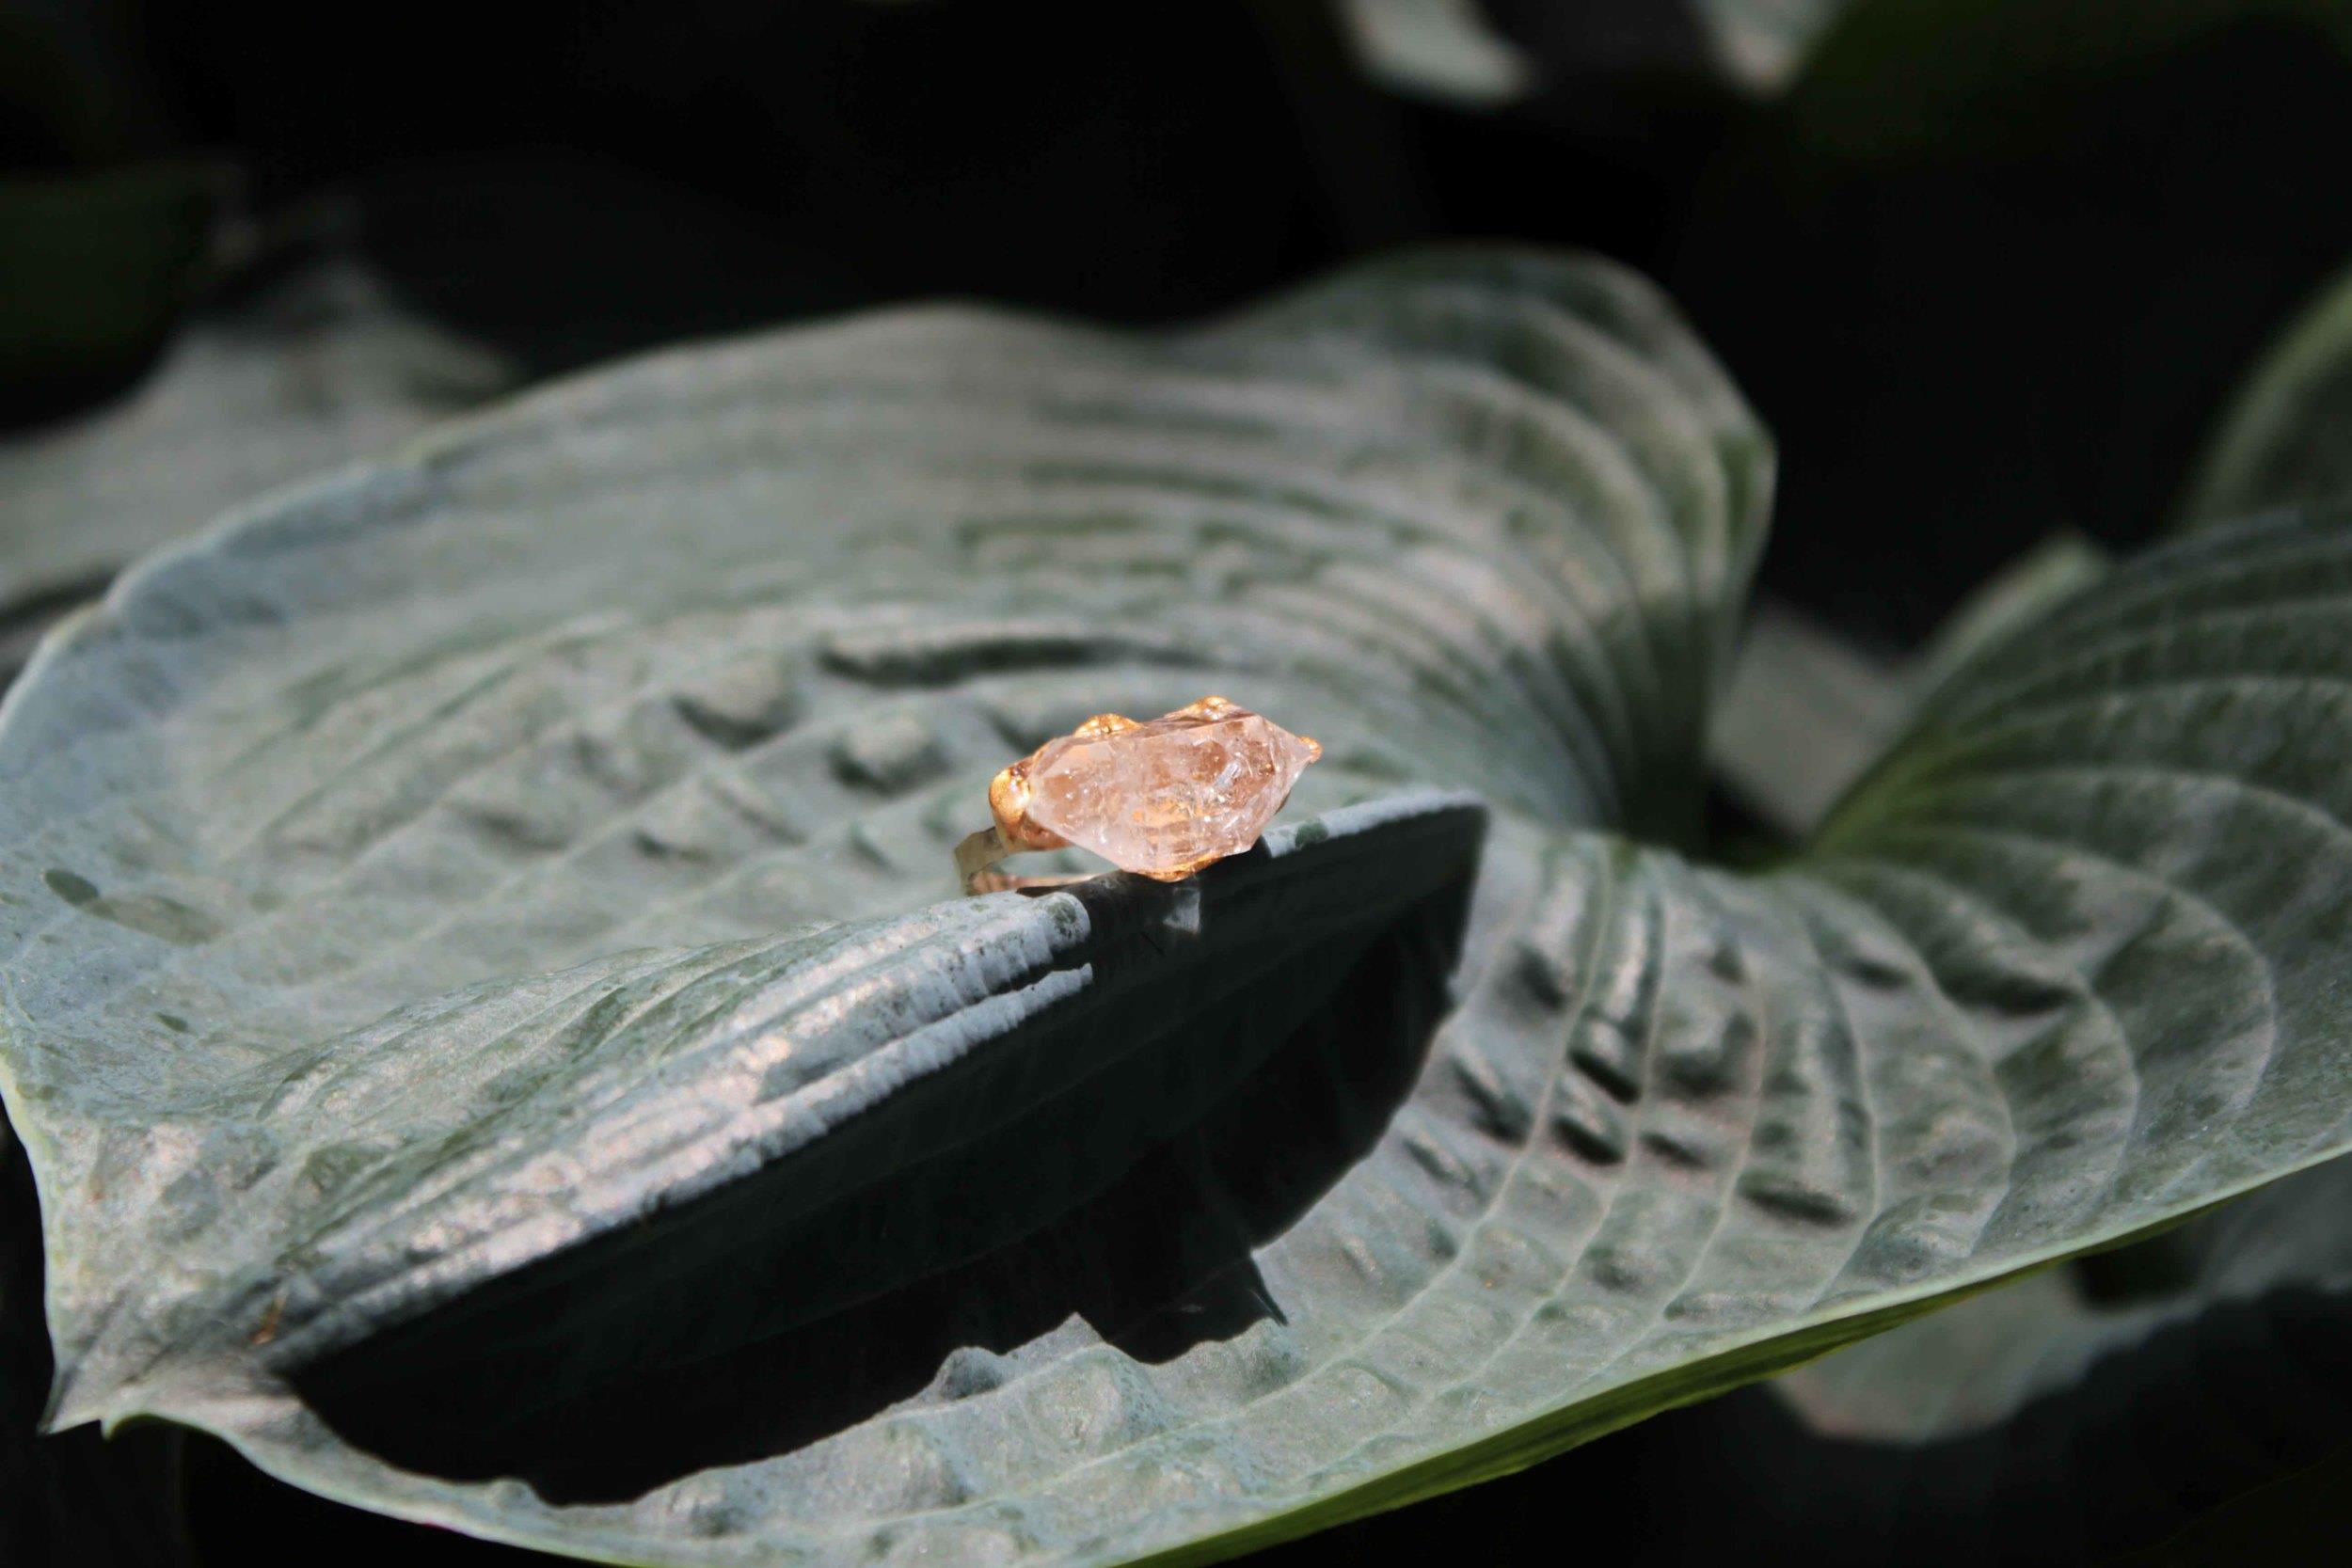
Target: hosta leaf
1969,1369
1443,49
486,1010
2208,1426
1804,712
2007,604
2014,161
2287,437
1763,44
311,370
1802,715
1495,53
2001,1361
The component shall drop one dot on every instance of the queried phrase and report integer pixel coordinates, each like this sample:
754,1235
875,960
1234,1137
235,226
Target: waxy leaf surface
491,910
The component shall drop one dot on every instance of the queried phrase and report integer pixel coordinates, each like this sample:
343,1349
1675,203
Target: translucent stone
1166,798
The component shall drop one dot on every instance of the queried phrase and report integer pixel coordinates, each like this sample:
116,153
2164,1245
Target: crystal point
1166,798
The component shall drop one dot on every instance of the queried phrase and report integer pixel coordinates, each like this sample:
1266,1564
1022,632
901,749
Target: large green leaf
485,1007
2069,1356
2282,444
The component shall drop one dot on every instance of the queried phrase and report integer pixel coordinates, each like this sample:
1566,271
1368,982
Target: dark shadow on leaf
1199,1094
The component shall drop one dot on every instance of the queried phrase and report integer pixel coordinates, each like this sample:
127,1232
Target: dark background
1988,267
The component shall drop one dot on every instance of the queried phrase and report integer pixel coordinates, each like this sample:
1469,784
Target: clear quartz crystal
1166,798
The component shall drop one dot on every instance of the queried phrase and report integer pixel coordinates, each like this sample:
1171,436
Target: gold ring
1161,799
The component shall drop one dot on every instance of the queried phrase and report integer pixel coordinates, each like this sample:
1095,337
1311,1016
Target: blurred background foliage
1990,268
1993,270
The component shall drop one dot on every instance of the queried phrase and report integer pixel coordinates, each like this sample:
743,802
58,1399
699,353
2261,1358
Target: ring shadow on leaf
1136,1141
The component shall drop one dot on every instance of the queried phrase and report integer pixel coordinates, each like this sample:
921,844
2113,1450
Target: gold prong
1008,802
1102,725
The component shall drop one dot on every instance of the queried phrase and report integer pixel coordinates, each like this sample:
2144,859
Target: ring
1161,799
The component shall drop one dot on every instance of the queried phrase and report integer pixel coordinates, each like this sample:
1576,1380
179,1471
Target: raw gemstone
1166,798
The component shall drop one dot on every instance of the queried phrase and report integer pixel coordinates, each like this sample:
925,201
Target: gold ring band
979,855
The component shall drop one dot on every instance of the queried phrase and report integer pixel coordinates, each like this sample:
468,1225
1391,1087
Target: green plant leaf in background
1453,50
1987,61
94,270
1805,712
1763,44
1942,165
1966,1370
489,910
301,373
2240,1288
2287,437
